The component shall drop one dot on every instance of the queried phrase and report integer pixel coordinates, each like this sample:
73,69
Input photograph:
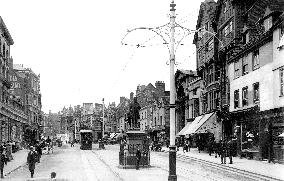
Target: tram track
244,173
190,173
108,166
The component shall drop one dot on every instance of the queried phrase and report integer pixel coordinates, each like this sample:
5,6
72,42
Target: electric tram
86,139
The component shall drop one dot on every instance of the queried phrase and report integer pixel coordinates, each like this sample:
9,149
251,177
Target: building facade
20,112
256,102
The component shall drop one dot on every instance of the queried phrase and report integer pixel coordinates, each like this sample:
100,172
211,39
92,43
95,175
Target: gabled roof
6,32
205,6
150,86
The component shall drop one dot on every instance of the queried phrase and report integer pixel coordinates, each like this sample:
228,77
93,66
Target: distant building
51,125
26,85
182,79
121,111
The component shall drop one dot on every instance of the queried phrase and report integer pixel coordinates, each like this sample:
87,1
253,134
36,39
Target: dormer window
267,23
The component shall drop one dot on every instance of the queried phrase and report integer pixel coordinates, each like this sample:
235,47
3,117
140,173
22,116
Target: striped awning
200,124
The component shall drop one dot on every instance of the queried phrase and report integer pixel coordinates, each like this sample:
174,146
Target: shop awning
201,124
184,129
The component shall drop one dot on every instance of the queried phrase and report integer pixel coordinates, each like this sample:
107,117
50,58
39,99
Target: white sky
75,46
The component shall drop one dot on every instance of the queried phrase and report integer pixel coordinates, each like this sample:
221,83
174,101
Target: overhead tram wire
141,45
185,19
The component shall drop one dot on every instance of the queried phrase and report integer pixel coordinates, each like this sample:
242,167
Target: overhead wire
130,59
142,45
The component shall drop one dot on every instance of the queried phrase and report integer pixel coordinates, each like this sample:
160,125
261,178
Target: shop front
258,134
272,134
245,131
201,130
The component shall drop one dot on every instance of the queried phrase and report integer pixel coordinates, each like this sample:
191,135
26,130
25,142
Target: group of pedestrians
225,148
35,154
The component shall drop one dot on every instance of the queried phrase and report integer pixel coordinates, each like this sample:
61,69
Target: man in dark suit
31,160
138,158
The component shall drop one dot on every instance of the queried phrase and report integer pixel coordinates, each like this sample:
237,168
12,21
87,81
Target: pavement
274,170
19,160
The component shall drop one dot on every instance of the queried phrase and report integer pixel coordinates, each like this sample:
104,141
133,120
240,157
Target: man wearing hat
31,160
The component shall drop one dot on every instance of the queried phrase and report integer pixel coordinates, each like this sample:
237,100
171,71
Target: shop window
281,82
255,93
255,60
245,96
236,98
245,65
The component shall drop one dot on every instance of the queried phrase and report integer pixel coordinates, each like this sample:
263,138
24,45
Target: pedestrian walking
198,144
215,149
138,158
223,152
31,160
230,150
3,161
210,144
